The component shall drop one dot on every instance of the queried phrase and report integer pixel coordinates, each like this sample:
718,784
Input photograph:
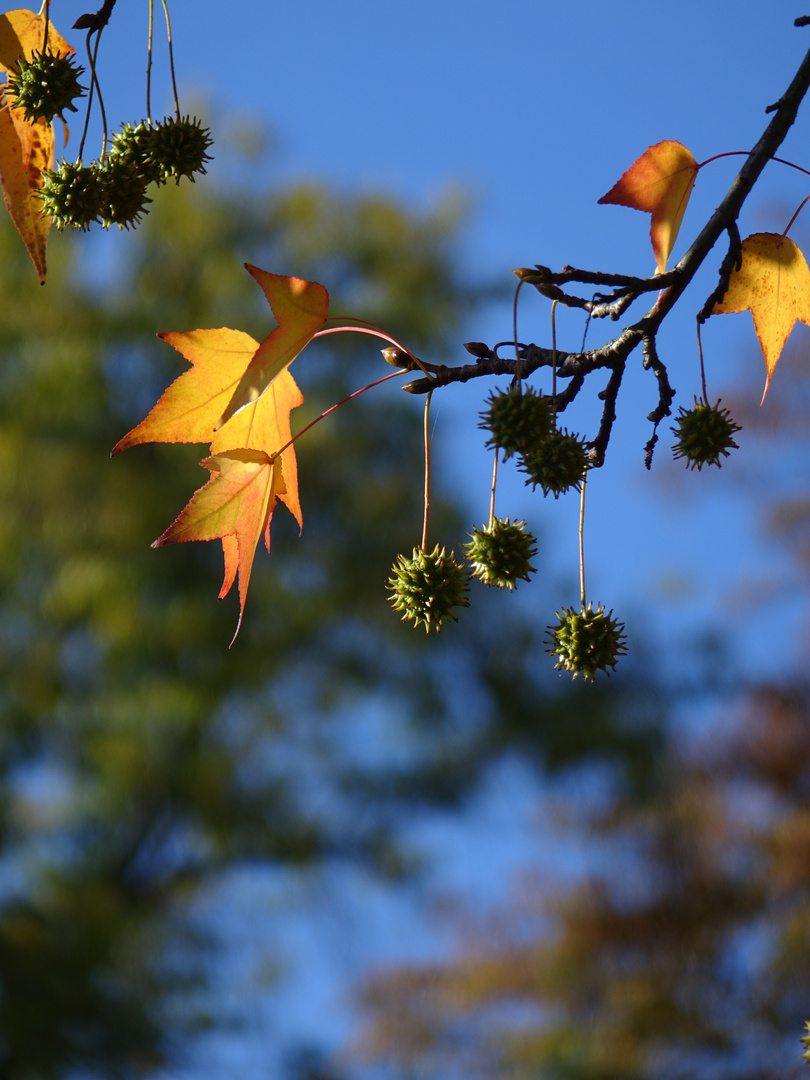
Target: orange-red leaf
300,309
774,284
236,506
189,409
659,183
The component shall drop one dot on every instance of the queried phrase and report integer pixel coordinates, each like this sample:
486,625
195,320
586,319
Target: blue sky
533,110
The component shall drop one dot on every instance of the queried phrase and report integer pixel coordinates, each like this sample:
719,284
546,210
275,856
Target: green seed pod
586,641
557,464
704,434
501,553
72,195
131,145
427,587
45,86
176,148
124,193
805,1039
518,420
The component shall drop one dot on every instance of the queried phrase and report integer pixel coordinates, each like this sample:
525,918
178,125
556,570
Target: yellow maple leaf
773,283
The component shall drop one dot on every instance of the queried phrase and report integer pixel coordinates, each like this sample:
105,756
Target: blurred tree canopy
683,952
142,761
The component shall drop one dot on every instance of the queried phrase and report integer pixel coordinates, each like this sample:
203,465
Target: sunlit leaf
773,282
300,309
189,409
22,33
659,183
235,506
26,147
21,167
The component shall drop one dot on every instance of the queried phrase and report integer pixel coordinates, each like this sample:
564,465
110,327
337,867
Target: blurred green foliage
140,759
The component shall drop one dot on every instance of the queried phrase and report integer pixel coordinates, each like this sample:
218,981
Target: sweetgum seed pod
704,434
519,420
427,587
586,641
558,464
501,553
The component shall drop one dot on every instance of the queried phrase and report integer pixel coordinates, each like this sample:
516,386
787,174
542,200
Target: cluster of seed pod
113,190
428,586
521,421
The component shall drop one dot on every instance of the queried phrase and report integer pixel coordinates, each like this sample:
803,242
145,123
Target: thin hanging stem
492,495
702,368
46,6
94,86
427,469
149,61
747,153
331,409
374,331
518,361
554,361
582,539
801,207
171,58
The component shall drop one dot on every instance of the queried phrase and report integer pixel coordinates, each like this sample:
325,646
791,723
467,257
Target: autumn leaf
26,147
236,506
22,33
189,409
773,282
248,472
300,309
21,168
659,183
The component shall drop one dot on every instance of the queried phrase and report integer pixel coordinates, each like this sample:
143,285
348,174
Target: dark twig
97,21
670,286
608,395
653,362
732,261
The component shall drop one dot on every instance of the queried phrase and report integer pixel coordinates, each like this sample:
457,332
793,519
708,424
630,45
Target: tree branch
626,289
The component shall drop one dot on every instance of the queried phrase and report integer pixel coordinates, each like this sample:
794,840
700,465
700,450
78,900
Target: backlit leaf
189,409
26,147
22,33
300,309
659,183
774,284
236,506
21,166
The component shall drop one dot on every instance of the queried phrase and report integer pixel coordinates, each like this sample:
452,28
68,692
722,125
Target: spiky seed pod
518,420
428,586
178,148
557,464
124,193
501,553
805,1039
45,86
703,434
586,641
72,195
131,145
